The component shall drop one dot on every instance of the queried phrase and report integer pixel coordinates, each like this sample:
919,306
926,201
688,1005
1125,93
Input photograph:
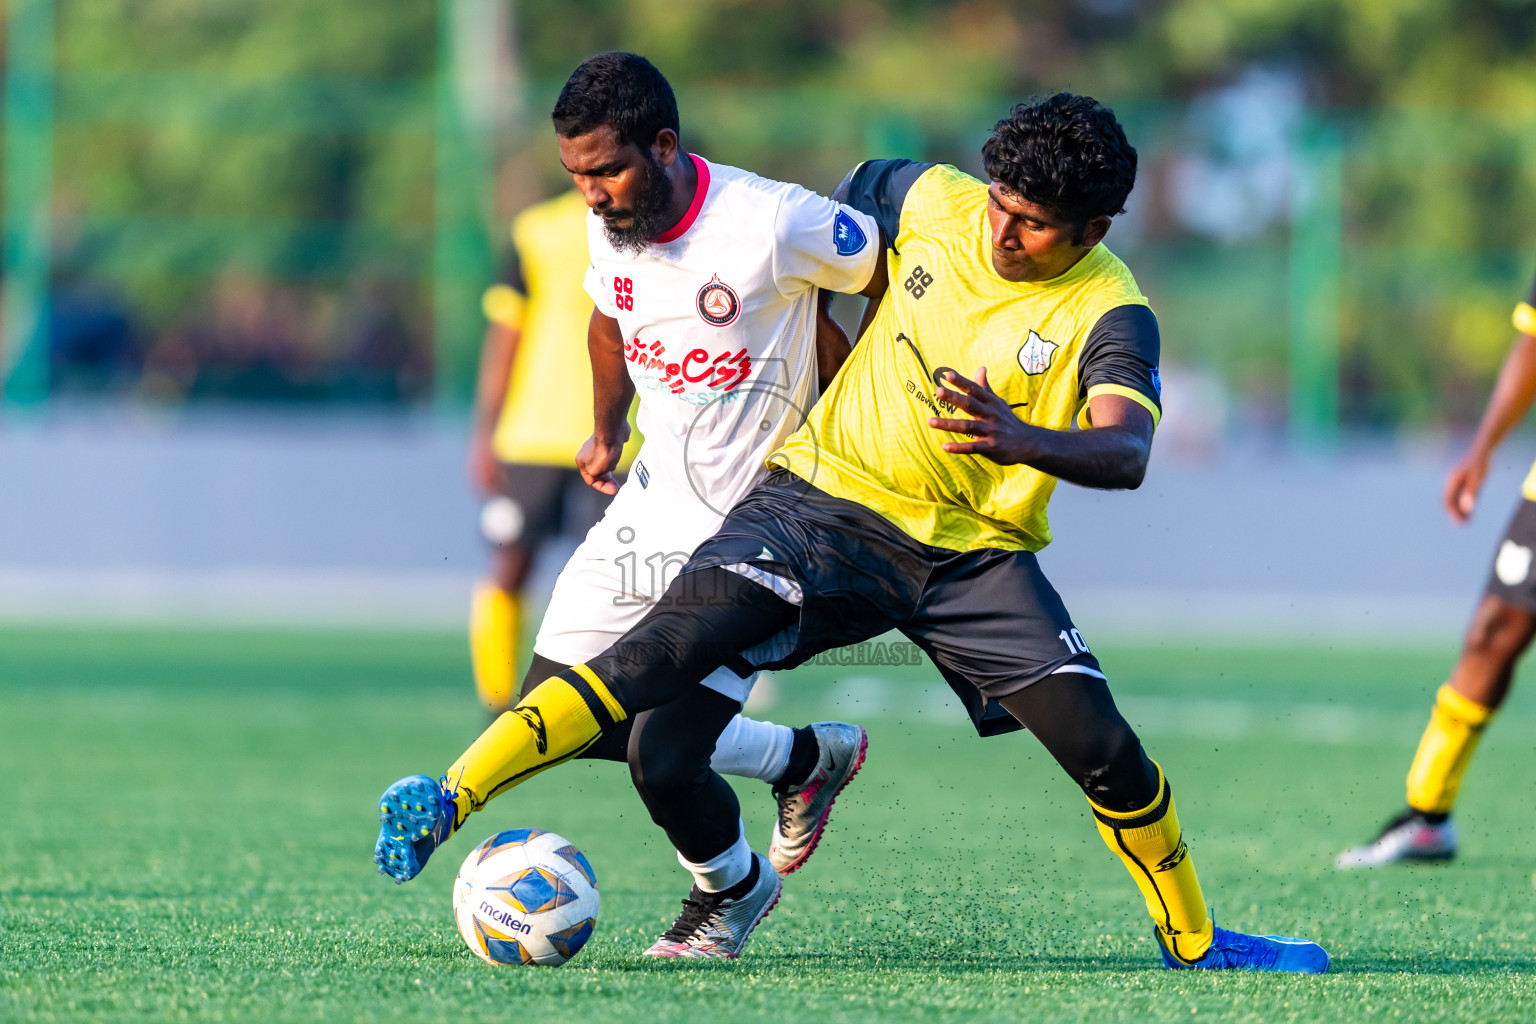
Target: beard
648,217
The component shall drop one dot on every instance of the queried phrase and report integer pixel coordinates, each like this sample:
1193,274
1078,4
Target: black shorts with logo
549,501
1513,578
988,619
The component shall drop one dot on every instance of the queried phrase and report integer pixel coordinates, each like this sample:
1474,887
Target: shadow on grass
955,964
964,964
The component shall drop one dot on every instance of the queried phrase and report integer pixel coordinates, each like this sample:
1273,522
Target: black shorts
988,619
546,501
1512,578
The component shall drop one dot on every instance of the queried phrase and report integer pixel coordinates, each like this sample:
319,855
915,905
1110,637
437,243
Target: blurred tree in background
246,191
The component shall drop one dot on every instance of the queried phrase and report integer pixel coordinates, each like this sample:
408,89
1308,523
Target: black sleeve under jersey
512,271
878,188
1123,349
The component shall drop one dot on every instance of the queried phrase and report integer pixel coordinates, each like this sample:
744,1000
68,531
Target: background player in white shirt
706,282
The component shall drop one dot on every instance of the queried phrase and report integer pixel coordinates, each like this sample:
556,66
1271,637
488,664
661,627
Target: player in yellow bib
523,440
1501,630
1006,349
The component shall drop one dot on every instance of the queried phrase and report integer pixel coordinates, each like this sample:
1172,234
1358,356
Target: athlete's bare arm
1507,406
1112,454
832,348
875,290
496,357
612,391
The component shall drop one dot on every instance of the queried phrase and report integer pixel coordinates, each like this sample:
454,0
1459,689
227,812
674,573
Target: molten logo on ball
525,897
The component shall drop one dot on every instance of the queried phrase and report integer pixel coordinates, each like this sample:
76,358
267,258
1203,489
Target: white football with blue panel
525,896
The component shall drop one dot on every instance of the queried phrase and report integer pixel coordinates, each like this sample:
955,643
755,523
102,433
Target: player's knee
540,669
509,568
661,772
1500,631
1115,772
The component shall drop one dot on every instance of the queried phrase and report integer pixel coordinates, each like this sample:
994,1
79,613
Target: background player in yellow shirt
915,498
1501,630
523,438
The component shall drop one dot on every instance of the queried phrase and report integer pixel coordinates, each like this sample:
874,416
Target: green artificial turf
189,818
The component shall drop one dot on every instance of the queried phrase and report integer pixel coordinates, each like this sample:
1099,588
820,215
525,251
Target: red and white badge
717,303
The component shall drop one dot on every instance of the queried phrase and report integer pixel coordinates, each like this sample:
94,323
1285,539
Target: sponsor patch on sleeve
847,234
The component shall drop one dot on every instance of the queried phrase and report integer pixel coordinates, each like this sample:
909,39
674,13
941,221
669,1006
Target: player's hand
995,432
484,471
598,459
1463,483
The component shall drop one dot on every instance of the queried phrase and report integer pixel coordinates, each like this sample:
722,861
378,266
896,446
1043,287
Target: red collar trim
679,229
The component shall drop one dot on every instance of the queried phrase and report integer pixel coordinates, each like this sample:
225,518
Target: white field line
439,599
862,697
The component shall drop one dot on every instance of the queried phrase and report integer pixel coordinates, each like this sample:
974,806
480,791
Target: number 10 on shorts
1074,641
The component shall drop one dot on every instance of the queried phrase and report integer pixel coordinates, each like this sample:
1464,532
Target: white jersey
719,324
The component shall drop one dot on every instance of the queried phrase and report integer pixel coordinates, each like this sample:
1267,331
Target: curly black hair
1065,152
621,90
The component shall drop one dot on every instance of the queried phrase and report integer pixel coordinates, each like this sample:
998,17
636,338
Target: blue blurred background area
245,242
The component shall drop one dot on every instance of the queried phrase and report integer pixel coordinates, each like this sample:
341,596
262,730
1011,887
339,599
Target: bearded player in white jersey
706,280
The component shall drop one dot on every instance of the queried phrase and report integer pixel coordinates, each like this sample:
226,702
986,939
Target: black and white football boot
1412,835
805,807
715,925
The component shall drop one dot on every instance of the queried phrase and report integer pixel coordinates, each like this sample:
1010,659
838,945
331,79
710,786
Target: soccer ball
525,897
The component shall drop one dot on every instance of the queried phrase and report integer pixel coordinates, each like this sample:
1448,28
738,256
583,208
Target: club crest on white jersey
717,303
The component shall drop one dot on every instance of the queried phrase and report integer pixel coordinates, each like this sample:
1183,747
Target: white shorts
621,568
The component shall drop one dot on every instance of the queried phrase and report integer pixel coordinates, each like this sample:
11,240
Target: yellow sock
1454,727
556,721
1149,843
494,621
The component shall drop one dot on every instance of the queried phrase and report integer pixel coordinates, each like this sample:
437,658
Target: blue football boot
416,816
1234,951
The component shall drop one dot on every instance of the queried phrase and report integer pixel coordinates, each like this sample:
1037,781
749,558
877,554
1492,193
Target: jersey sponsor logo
918,282
1513,565
1036,354
624,293
920,392
847,235
643,475
721,372
718,304
1157,382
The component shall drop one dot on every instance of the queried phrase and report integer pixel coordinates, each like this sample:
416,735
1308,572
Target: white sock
724,870
753,749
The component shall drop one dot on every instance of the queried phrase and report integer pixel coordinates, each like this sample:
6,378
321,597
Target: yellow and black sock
1454,727
559,719
495,619
1148,841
